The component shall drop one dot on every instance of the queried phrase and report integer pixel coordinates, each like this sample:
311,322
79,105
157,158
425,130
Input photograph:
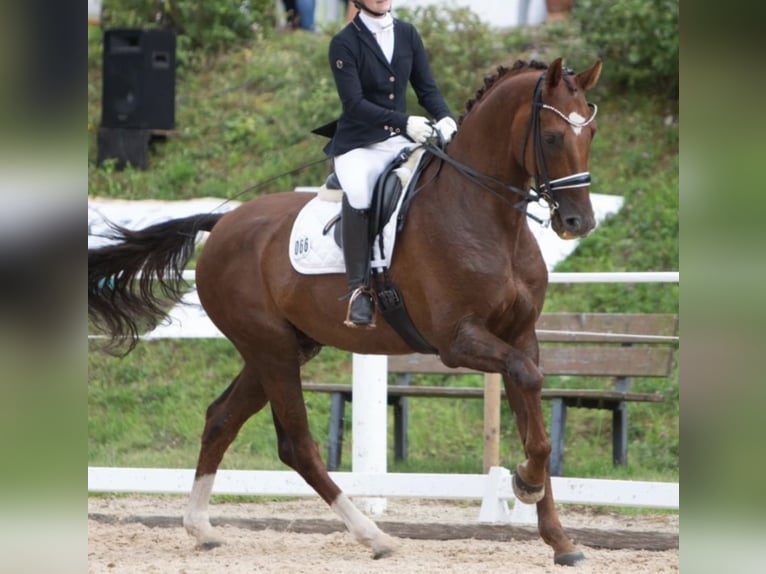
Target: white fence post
369,417
494,509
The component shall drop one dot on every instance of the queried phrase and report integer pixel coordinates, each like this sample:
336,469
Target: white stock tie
385,39
383,30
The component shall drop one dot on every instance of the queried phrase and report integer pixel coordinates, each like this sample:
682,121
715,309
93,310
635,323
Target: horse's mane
502,71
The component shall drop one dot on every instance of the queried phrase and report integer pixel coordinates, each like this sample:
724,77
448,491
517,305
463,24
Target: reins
479,179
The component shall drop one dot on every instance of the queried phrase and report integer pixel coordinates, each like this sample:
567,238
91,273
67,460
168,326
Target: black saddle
388,190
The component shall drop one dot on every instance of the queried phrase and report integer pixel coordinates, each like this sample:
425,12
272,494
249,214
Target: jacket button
391,96
386,128
392,79
398,130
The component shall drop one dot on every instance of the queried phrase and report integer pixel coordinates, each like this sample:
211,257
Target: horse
466,263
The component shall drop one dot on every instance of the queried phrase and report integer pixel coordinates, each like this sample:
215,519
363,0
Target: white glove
447,128
419,129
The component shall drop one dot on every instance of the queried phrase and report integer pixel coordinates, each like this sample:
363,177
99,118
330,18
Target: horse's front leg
477,348
564,551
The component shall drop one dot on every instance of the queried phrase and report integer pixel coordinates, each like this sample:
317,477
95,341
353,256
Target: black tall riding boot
356,253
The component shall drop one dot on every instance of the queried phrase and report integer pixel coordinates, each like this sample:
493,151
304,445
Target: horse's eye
552,139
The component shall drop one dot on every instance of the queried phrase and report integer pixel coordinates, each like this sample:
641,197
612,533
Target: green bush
211,25
637,39
446,33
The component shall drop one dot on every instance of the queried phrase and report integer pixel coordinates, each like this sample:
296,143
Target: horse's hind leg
298,450
225,416
564,552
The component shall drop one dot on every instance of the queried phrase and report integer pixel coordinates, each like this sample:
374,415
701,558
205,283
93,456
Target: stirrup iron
360,291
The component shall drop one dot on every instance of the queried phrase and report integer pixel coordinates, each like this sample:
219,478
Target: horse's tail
131,281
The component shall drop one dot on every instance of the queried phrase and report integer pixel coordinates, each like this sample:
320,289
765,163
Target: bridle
544,185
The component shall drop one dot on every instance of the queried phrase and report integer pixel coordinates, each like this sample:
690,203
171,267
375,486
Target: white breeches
358,169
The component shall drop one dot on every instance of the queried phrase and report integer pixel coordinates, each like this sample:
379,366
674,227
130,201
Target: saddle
385,197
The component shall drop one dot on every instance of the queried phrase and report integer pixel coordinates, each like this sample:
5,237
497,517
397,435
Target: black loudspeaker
139,81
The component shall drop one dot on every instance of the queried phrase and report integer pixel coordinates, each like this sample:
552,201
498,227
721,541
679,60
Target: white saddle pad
313,253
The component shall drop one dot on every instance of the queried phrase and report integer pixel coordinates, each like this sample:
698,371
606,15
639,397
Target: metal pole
491,421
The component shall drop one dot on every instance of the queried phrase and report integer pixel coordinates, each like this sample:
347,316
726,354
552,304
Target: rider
372,59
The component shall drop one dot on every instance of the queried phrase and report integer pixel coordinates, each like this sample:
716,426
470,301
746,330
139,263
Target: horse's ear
553,75
589,78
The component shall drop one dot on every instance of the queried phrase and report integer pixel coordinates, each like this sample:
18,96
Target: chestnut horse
467,264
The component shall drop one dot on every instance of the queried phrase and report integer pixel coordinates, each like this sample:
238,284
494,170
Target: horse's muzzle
572,225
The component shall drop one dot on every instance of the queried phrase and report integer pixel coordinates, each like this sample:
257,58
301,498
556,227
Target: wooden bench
615,345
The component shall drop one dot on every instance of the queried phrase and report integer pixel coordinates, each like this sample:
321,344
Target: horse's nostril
573,223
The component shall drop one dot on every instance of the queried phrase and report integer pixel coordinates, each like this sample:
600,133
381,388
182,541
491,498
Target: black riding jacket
372,91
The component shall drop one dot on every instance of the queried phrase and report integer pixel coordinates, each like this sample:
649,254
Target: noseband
544,186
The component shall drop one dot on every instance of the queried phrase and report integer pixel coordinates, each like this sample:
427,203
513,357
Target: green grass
147,409
243,118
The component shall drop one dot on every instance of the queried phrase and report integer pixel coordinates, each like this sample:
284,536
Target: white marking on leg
362,528
196,518
575,119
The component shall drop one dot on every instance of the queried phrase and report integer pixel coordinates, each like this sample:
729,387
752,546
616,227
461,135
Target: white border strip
396,485
595,277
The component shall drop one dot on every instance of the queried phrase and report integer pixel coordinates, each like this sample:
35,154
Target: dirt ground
143,534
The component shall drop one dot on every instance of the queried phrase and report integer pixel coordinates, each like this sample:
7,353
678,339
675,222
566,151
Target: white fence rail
594,277
369,477
493,489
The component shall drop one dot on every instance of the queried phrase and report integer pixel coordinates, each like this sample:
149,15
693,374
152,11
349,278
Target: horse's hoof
382,553
526,493
569,559
384,548
204,534
209,544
